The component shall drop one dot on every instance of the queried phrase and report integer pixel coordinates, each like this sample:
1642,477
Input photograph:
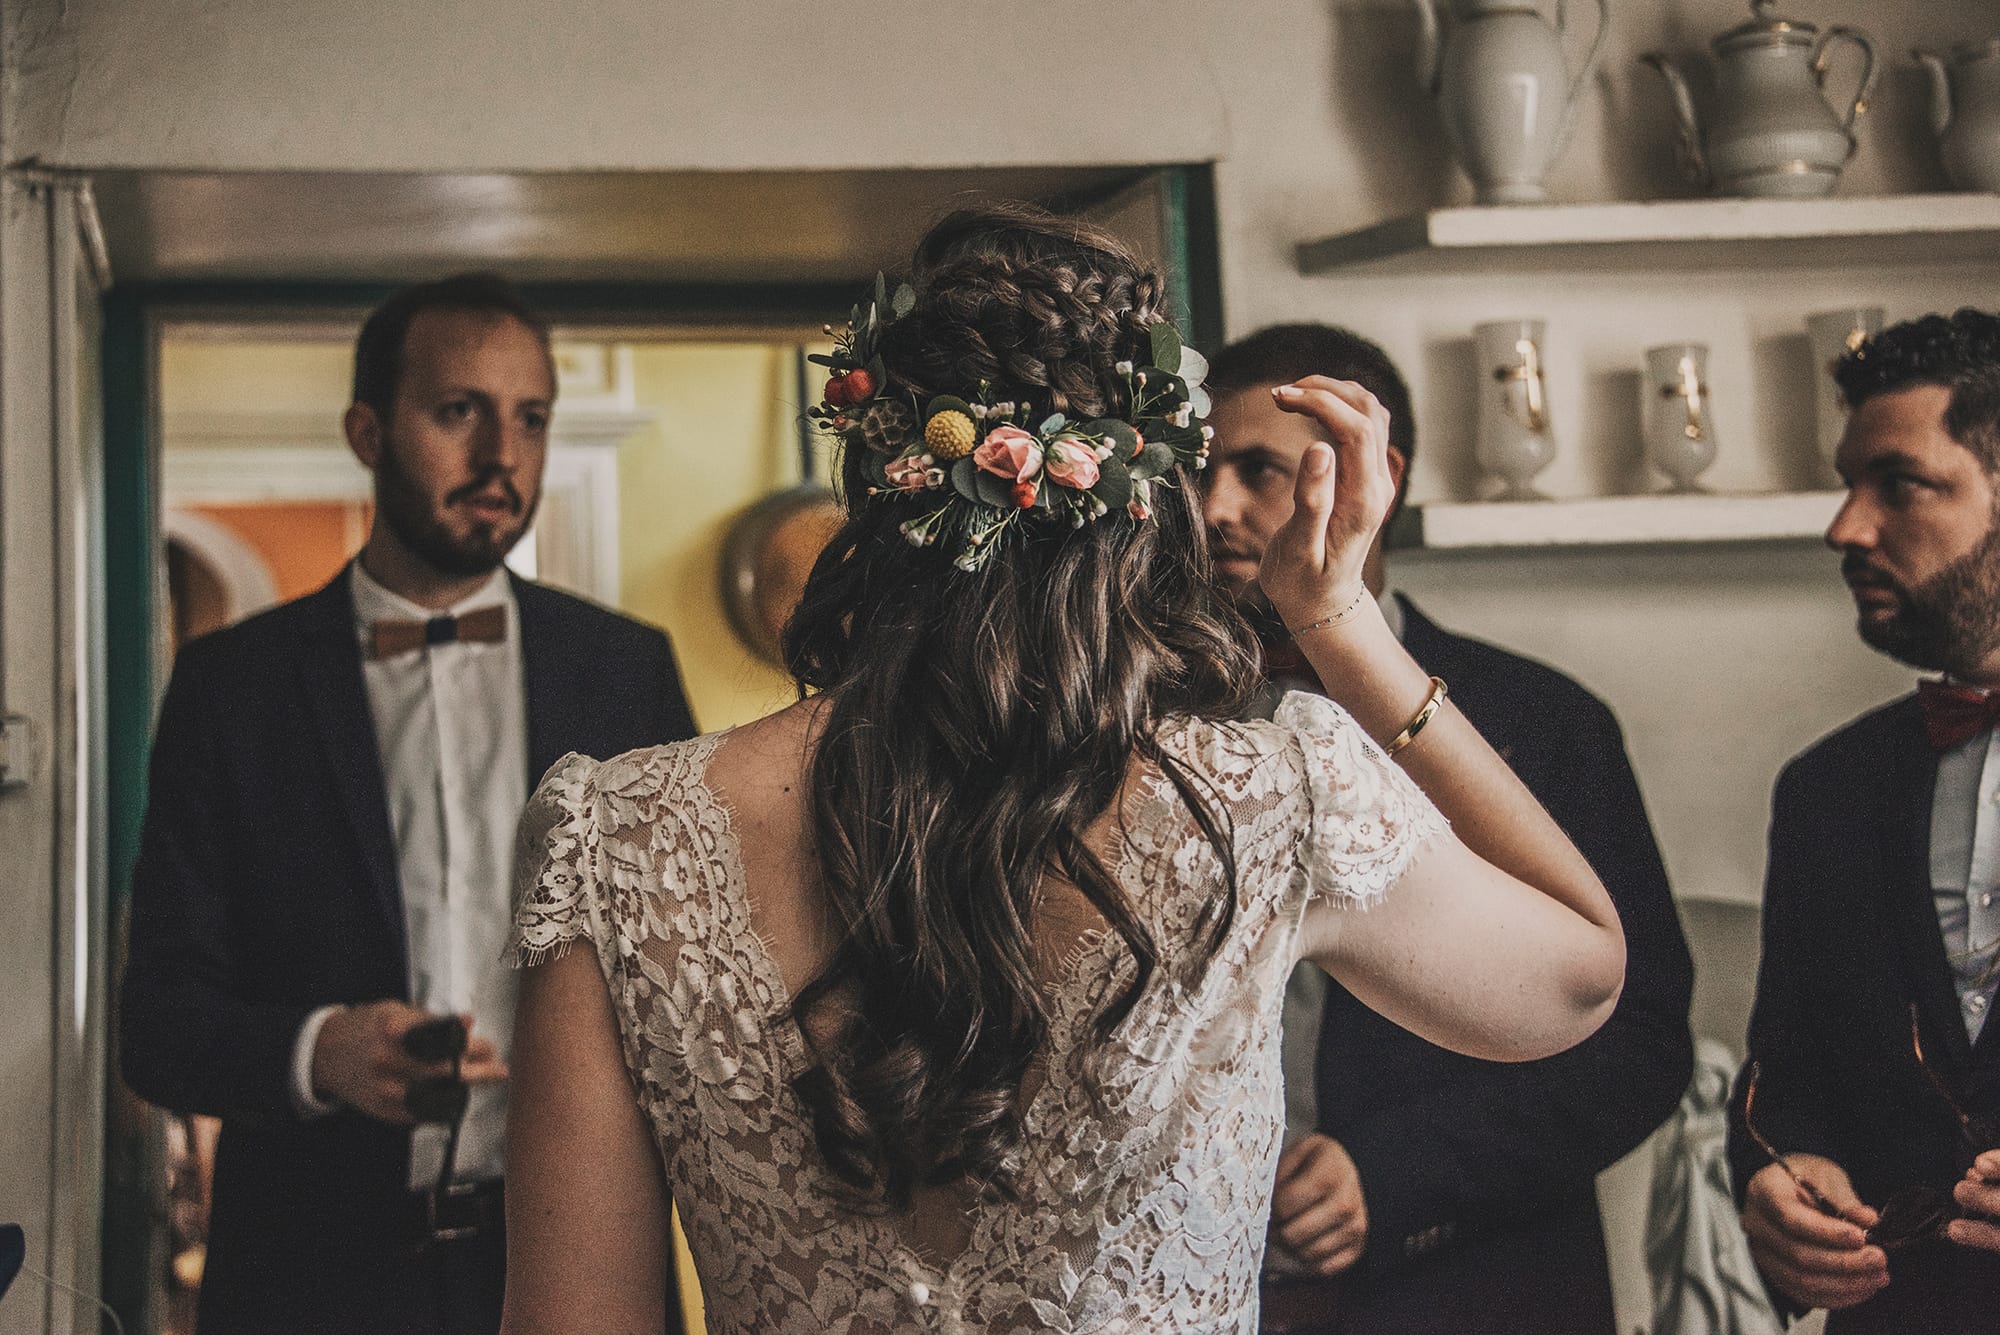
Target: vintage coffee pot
1503,90
1965,112
1771,132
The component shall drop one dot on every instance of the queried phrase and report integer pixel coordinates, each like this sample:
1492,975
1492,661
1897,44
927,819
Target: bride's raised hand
1312,566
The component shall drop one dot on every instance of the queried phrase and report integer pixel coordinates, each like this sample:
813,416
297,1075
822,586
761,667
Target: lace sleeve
554,896
1368,817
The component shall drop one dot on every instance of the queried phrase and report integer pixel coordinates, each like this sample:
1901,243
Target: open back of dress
1148,1158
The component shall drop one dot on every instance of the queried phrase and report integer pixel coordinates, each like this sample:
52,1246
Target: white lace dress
1149,1158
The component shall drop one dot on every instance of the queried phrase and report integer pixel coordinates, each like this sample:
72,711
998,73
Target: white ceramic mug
1833,334
1676,412
1515,441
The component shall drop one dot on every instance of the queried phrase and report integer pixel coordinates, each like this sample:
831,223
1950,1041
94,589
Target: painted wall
722,438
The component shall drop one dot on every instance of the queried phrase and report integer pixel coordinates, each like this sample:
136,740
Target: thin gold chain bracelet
1344,615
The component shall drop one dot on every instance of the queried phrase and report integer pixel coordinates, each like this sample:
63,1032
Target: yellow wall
723,436
200,375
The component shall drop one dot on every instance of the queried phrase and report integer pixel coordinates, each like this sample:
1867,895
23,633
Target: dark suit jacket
1851,940
267,886
1480,1177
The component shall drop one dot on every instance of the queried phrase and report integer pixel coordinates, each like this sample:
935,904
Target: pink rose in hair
1073,462
1009,452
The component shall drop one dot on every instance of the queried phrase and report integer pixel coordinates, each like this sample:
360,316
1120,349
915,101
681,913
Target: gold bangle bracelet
1432,703
1345,614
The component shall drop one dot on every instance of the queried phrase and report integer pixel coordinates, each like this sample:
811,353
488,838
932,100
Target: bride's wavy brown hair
977,723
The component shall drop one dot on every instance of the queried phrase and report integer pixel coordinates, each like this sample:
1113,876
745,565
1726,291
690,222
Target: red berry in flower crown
860,385
837,391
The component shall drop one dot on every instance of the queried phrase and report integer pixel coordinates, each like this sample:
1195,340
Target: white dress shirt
451,726
1965,870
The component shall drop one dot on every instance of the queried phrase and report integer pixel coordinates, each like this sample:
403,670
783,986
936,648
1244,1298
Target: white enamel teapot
1771,131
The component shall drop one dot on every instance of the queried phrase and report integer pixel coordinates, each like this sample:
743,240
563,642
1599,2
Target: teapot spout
1940,90
1429,46
1687,144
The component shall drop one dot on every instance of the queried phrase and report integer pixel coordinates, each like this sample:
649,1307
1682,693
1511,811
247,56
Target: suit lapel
1910,771
330,663
556,699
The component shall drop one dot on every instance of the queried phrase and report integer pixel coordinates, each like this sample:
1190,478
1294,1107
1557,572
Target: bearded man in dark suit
1877,1065
1427,1191
328,849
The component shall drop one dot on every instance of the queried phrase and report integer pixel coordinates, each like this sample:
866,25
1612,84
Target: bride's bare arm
588,1238
1499,941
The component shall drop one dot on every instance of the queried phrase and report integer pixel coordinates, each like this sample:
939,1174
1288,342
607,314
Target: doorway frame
133,318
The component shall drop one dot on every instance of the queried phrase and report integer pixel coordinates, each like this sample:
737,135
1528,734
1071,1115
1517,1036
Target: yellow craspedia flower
950,434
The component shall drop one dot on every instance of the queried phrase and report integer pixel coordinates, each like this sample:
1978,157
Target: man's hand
359,1060
1979,1196
1816,1259
1318,1208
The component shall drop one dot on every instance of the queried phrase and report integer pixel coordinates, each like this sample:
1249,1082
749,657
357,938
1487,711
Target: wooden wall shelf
1730,233
1613,521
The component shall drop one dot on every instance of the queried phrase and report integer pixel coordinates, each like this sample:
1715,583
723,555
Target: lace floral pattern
1149,1157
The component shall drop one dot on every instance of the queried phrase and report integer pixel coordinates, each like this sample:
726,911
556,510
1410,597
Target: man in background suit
329,840
1449,1194
1882,895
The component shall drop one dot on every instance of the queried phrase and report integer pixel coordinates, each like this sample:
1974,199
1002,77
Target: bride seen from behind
947,998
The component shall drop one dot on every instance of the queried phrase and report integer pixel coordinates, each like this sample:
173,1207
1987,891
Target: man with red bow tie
1877,1073
324,880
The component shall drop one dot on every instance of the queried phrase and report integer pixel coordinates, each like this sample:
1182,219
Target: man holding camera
323,894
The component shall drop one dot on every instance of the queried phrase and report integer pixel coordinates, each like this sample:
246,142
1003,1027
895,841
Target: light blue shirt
1965,870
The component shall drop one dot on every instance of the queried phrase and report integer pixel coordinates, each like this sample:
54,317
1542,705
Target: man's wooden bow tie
487,625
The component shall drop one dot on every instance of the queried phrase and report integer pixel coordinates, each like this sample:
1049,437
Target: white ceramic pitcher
1503,90
1965,112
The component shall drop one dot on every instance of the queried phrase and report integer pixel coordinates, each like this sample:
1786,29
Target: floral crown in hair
969,469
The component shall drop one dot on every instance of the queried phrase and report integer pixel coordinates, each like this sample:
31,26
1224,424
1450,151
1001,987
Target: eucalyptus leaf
994,490
875,468
965,477
1166,346
1193,367
881,291
1198,396
878,372
1051,424
1114,483
905,300
1156,459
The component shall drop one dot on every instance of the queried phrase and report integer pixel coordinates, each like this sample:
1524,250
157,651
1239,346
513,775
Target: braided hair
978,723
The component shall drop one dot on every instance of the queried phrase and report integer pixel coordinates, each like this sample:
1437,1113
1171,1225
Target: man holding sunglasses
1873,1068
323,892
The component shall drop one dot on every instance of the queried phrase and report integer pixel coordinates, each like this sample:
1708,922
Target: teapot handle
1588,69
1823,48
